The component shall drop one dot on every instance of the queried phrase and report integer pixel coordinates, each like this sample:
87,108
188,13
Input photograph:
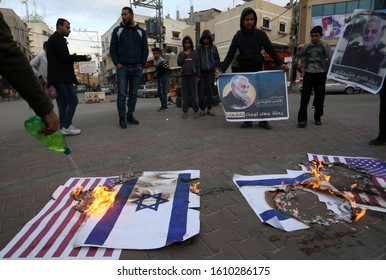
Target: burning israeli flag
148,212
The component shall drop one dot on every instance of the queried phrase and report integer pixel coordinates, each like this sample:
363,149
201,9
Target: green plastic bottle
55,141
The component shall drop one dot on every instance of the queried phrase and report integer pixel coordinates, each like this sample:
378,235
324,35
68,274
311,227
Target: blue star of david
154,206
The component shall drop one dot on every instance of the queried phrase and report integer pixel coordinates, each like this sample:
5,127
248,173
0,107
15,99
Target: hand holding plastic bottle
55,141
51,122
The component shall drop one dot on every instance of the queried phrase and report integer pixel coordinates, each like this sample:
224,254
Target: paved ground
29,173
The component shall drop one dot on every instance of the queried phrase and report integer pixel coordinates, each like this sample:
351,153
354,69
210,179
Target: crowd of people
199,68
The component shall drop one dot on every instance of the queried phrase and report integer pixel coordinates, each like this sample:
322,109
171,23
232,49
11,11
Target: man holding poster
249,43
359,59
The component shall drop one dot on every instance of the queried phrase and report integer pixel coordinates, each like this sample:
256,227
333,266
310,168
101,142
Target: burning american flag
50,234
375,198
373,166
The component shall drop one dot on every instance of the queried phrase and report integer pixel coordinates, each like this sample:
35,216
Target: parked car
147,91
333,86
107,89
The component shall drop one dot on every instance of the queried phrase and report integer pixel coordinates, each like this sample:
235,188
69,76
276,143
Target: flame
317,173
195,188
77,191
103,199
316,184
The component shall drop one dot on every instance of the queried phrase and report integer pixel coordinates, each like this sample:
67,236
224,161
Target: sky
90,19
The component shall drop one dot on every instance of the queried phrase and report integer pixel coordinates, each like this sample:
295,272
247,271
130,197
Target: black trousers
382,112
316,82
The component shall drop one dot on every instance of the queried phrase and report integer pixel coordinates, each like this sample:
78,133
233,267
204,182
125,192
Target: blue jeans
163,95
67,101
128,77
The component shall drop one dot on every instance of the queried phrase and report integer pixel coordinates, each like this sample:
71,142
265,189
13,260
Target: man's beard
369,44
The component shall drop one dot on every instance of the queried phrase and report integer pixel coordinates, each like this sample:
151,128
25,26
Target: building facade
39,32
19,30
274,20
332,15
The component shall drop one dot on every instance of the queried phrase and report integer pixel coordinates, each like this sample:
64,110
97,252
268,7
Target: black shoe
246,124
318,123
122,123
302,124
377,142
131,120
265,125
162,109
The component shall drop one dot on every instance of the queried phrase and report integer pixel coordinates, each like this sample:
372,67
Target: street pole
293,43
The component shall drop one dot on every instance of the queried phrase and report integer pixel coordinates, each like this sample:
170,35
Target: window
340,8
266,22
317,10
351,6
328,9
175,35
379,5
282,27
365,4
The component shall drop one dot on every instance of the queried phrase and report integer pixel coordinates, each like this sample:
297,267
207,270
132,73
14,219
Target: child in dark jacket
190,72
209,61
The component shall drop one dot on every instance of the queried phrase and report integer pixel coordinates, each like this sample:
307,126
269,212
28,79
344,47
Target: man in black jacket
15,67
61,74
250,41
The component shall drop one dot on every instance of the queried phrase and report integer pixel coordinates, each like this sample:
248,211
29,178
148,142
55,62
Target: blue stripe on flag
269,214
103,228
275,181
179,214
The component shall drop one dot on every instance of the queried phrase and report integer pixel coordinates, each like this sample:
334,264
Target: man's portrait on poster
366,51
239,93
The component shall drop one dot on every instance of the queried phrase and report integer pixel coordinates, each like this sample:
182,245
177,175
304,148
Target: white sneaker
70,130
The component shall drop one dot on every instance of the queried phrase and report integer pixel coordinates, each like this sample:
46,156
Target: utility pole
157,5
294,41
26,7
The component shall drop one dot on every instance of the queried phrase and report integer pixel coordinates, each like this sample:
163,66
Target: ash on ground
84,198
306,206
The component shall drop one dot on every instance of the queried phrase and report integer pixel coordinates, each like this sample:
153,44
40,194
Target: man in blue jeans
60,73
129,52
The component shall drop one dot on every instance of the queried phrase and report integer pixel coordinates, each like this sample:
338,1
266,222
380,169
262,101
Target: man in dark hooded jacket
250,41
209,61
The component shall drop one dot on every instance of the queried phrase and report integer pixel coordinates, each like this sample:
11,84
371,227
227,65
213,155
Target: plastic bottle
55,141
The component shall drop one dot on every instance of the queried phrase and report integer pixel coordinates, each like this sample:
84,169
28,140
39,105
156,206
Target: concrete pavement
230,229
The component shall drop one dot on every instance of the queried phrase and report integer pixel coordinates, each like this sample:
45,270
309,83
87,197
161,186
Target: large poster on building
254,96
359,57
332,24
